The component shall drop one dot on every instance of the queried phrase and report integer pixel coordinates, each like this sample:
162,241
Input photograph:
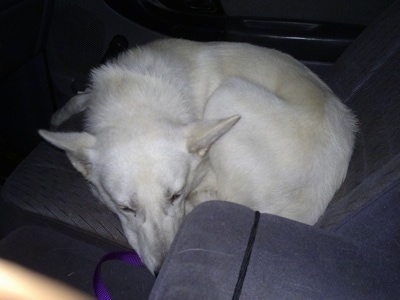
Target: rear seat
46,189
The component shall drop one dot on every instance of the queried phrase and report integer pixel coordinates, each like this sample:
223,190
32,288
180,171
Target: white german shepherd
175,123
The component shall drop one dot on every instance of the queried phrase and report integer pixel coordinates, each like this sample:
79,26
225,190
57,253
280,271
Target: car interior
51,223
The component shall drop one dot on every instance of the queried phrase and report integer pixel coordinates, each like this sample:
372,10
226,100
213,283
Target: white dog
175,123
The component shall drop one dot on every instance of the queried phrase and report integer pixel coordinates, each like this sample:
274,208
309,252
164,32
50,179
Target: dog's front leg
74,106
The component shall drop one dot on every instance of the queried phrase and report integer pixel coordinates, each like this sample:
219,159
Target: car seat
354,245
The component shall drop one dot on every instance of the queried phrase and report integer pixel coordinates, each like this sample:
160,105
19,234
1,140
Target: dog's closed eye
175,197
127,209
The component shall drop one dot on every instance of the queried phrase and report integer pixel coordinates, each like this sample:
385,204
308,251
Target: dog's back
281,157
290,151
205,66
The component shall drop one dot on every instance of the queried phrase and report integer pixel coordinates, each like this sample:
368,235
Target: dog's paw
197,197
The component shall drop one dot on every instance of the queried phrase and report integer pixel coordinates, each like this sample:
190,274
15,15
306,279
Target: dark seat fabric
348,252
366,77
289,260
46,188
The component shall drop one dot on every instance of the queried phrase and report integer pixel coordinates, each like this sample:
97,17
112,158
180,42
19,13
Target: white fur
176,123
75,105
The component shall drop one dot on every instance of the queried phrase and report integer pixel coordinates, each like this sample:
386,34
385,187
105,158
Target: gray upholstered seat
361,217
45,188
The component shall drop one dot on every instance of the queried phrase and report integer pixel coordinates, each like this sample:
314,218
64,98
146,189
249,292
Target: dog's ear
75,144
201,135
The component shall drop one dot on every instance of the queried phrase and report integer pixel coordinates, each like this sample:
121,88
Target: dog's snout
157,258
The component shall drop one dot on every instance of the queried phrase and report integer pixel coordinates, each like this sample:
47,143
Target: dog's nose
156,271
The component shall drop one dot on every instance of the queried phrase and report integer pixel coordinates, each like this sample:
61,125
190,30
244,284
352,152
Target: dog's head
144,178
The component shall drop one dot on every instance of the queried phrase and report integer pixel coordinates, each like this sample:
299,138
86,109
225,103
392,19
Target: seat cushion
289,260
45,187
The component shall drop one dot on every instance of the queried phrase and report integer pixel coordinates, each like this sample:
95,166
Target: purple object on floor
130,257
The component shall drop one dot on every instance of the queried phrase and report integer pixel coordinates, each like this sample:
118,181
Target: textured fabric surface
47,186
359,261
73,261
289,260
206,260
367,79
377,225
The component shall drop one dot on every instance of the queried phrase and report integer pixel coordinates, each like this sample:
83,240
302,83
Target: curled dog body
176,123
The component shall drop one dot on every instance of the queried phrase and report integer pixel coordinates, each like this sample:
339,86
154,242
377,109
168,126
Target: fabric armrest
289,260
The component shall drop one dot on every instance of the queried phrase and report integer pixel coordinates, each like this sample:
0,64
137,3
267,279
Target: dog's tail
75,105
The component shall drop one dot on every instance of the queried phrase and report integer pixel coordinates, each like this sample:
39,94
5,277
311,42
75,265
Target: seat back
367,78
